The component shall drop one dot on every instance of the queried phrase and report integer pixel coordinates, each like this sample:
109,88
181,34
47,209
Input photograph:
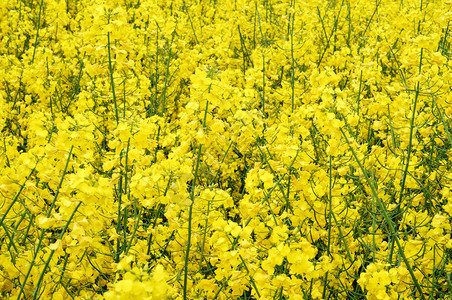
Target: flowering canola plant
213,149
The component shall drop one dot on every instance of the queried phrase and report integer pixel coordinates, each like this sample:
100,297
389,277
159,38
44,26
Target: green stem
112,82
37,32
190,214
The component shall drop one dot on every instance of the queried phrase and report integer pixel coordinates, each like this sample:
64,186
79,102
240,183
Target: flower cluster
225,149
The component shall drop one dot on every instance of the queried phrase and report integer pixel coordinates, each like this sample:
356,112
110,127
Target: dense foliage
208,149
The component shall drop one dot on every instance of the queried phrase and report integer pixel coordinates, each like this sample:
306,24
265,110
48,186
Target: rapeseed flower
228,150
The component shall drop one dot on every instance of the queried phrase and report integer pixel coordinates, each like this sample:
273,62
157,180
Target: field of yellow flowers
211,149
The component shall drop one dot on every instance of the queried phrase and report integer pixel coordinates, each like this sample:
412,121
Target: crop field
213,149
